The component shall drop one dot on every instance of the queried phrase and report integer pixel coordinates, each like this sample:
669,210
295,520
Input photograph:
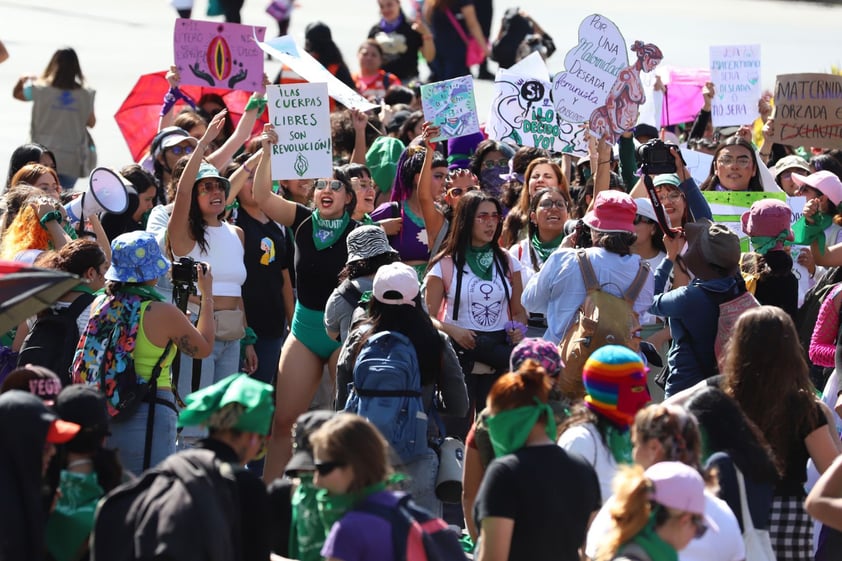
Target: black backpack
186,508
53,338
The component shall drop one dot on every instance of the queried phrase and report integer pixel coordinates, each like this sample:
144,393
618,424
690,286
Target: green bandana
327,232
417,220
308,534
368,220
333,507
71,522
765,244
619,442
508,430
545,249
480,260
806,234
652,544
83,287
254,397
144,291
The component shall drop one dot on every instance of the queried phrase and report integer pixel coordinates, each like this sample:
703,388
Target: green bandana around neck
308,534
327,232
654,546
765,244
545,249
508,430
144,291
806,234
619,442
333,507
481,260
83,287
71,522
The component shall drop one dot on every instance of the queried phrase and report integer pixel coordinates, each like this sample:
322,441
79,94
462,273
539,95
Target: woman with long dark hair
473,292
62,112
734,168
30,153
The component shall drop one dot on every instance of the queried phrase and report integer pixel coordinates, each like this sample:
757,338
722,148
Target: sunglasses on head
181,150
459,191
324,468
334,184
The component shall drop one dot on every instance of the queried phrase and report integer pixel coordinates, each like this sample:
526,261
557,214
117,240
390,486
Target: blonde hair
630,510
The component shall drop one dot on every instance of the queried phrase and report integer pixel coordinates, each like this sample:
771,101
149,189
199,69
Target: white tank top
225,255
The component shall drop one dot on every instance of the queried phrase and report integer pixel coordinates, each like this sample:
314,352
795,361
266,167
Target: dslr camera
184,271
655,157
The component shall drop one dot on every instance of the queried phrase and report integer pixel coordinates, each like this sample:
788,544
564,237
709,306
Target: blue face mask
491,182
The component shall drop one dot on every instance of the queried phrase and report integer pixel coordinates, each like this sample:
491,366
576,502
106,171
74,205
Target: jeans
129,436
224,361
422,481
268,350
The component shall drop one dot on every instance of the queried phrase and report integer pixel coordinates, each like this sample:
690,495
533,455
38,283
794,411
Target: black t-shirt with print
400,50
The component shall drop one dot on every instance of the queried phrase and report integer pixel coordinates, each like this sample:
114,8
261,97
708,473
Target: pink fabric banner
684,94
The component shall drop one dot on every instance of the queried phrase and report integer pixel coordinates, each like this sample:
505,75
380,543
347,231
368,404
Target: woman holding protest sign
320,235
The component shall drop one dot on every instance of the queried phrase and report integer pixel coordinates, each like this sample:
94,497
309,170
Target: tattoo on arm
184,345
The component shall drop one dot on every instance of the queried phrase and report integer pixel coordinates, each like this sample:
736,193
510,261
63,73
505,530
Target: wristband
173,95
50,216
250,338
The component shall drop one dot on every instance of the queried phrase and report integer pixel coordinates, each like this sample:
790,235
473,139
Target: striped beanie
615,384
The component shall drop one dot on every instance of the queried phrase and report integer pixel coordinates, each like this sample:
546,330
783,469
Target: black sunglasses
324,468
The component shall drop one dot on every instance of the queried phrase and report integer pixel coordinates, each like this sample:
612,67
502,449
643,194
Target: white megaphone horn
106,192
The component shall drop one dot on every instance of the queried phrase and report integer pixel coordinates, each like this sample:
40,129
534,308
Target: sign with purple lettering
300,114
735,71
599,85
219,55
808,110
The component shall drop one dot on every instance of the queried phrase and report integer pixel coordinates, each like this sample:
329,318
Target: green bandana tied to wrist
651,542
765,244
480,260
806,234
259,102
545,249
327,232
508,430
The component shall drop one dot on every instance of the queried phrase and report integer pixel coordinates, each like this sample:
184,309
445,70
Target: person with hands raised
196,230
320,235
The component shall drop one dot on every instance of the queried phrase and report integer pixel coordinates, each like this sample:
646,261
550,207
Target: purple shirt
360,536
411,242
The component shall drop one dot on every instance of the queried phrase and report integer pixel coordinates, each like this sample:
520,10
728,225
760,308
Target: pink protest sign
219,55
683,98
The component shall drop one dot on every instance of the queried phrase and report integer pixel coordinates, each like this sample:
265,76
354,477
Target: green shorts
308,326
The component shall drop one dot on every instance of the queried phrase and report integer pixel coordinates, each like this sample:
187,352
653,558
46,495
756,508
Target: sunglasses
459,191
549,203
699,523
334,184
361,184
208,185
485,218
181,150
638,219
491,164
324,468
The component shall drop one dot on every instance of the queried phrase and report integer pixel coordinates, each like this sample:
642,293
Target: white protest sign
522,112
735,71
698,163
285,50
591,68
300,114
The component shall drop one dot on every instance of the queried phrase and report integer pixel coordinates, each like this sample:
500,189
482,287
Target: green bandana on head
545,249
250,402
508,430
327,232
480,260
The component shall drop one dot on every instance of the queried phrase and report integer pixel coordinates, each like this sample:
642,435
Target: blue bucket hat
207,171
136,257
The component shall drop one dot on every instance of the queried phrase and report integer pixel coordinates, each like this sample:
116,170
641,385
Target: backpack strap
588,274
77,306
637,284
153,400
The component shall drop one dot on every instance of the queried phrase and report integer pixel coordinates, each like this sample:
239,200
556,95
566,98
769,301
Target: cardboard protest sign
728,207
285,50
219,55
522,111
735,71
301,116
808,110
450,105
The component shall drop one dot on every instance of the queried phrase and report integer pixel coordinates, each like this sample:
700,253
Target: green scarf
144,291
481,260
308,534
806,234
619,442
545,249
83,287
417,220
765,244
655,547
71,522
327,232
333,507
508,430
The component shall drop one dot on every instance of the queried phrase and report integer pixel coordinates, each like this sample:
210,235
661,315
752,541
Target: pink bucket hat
768,217
613,211
824,181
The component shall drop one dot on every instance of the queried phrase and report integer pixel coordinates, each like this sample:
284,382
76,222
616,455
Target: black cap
302,453
84,405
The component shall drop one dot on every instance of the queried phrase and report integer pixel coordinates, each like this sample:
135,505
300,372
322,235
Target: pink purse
474,54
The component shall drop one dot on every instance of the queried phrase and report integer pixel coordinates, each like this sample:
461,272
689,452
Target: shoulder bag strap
748,523
456,25
637,284
588,274
152,397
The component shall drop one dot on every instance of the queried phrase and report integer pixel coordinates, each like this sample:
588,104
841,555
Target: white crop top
226,258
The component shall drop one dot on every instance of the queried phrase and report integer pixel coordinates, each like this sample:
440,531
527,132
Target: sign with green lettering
301,116
735,71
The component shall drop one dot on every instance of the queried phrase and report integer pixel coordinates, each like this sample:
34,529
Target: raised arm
433,219
602,175
239,177
275,206
178,229
167,114
223,155
360,121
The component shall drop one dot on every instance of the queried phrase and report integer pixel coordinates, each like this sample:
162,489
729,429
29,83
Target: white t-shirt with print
482,305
